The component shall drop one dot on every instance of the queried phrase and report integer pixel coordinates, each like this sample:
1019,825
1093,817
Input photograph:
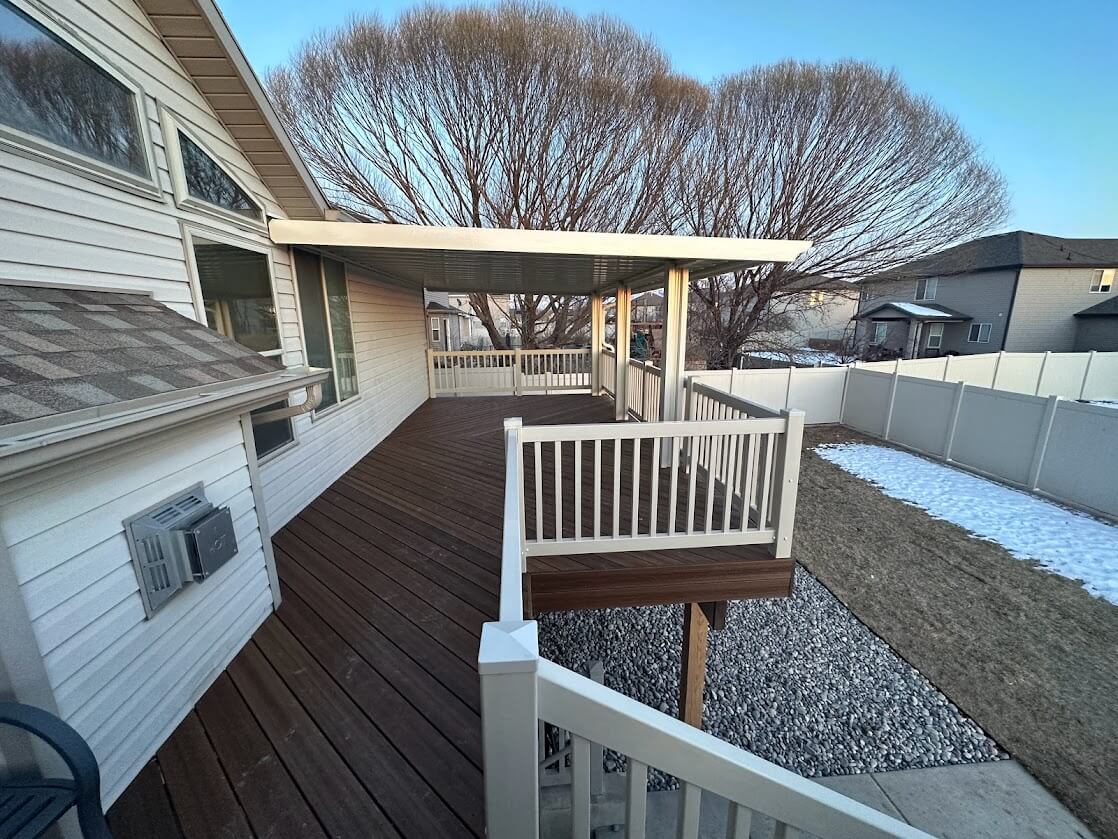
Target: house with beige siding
1018,292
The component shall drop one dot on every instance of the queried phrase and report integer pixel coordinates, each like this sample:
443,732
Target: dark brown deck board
354,712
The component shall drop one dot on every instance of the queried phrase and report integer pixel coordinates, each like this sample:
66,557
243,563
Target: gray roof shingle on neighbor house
65,350
1019,249
1107,308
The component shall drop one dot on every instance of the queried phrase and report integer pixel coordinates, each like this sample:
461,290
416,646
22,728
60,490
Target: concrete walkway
980,801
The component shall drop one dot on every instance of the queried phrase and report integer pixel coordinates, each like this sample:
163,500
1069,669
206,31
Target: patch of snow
1106,403
803,355
1062,541
920,311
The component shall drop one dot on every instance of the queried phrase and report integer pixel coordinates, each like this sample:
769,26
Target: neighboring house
448,327
821,318
1019,292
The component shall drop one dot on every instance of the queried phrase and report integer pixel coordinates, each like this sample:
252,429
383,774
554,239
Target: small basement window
54,93
979,333
1102,280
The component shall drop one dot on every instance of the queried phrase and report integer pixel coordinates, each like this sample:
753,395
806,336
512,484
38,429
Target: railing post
623,299
430,373
1042,440
517,375
507,663
514,449
788,482
597,336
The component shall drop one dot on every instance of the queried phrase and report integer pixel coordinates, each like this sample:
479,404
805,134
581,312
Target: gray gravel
799,681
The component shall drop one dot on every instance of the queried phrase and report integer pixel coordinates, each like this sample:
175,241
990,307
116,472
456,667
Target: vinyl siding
389,336
122,681
1043,312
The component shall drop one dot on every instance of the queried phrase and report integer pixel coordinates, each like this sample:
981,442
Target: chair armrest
62,738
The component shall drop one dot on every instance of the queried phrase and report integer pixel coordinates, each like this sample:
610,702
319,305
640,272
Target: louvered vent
178,541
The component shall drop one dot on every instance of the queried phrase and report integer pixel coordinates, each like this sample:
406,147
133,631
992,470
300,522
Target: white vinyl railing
506,372
609,370
519,690
644,390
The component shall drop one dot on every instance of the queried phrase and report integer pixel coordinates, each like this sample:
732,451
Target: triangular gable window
207,181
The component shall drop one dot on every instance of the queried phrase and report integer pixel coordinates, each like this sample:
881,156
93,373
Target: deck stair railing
507,372
519,689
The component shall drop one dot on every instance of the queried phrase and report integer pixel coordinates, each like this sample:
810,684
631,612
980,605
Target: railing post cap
513,422
508,647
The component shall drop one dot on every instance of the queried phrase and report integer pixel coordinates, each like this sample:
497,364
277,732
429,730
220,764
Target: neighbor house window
435,335
979,333
815,298
1102,280
236,289
54,93
926,289
880,332
935,336
324,304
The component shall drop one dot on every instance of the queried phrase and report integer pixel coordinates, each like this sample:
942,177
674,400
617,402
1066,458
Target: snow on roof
920,311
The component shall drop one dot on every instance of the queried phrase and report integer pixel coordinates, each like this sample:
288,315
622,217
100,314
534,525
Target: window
236,286
435,336
935,336
324,305
815,298
54,93
1102,280
880,332
207,181
979,333
926,289
237,294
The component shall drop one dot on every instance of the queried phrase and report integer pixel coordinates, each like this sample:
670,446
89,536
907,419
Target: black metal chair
28,807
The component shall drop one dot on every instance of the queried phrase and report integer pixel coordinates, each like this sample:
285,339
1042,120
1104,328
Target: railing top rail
604,716
738,402
555,351
648,430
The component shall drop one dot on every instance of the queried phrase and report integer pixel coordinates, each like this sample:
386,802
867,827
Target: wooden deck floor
354,710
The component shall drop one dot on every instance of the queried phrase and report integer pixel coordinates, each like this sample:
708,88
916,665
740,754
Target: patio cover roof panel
517,261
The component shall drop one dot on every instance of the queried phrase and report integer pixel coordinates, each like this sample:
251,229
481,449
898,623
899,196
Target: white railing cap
508,647
513,422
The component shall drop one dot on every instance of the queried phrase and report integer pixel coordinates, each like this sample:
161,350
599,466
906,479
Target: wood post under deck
692,675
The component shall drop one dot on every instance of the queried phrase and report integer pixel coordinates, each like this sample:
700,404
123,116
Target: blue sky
1036,84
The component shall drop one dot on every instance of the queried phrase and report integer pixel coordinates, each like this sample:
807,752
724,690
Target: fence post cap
513,422
508,647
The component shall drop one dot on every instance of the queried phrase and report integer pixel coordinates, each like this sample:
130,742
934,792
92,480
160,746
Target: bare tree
841,154
518,115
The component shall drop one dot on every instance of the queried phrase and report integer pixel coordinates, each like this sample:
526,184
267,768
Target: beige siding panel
389,343
120,679
1043,311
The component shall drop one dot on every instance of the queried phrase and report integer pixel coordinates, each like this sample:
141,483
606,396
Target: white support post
621,344
507,663
673,357
430,373
1042,440
597,338
787,482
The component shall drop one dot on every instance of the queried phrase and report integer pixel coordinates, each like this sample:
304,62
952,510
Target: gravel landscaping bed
798,681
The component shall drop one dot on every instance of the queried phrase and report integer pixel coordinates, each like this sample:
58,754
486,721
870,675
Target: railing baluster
766,488
558,490
689,812
597,489
580,787
616,488
636,485
712,479
727,482
654,493
578,489
636,799
694,472
539,491
673,488
738,821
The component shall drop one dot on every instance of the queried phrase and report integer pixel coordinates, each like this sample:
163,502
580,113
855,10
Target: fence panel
1019,372
1102,377
1080,459
973,369
922,414
998,432
1063,374
867,400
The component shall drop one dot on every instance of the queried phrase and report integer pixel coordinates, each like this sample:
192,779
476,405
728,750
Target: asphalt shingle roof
1107,308
63,350
1010,250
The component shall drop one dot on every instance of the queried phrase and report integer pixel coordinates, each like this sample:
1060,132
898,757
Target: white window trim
978,339
935,330
189,234
930,284
172,124
436,331
874,340
1102,280
34,147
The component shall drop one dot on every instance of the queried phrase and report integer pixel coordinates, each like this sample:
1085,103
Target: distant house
1019,292
449,327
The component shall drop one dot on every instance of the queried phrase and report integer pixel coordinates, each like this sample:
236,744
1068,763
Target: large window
207,181
324,304
237,296
979,333
926,289
54,93
935,336
1102,280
